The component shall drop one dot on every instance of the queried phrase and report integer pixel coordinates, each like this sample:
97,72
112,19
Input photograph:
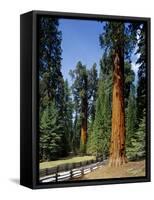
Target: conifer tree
50,134
99,131
141,89
92,91
68,115
130,120
51,83
84,90
80,92
50,76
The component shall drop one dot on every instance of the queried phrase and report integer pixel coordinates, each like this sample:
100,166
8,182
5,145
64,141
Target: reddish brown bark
84,122
117,147
84,108
84,132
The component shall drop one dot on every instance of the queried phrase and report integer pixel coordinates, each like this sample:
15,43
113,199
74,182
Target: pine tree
50,134
141,138
51,83
129,77
99,132
80,88
101,128
130,121
68,115
139,36
50,76
84,89
96,132
136,148
141,89
92,91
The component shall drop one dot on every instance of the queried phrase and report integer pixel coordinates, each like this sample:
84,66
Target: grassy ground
130,169
55,163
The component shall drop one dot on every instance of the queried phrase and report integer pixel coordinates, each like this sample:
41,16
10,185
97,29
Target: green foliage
117,36
138,33
130,122
129,77
92,91
141,89
137,108
51,91
136,148
65,109
112,37
67,118
50,134
84,89
100,129
50,76
135,134
80,93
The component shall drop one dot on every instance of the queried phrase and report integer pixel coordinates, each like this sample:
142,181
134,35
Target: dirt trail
130,169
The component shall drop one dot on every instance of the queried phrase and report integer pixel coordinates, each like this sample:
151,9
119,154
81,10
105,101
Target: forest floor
130,169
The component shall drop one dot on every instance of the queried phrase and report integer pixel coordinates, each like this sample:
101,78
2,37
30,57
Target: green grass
55,163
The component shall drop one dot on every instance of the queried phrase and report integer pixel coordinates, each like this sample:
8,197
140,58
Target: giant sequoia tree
84,89
116,39
80,92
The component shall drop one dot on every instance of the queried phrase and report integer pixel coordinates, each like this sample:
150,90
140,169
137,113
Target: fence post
57,175
82,171
71,174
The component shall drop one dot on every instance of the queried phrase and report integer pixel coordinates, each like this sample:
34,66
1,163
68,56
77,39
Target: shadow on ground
15,180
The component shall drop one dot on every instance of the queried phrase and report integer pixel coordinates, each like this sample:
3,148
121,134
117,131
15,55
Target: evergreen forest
101,112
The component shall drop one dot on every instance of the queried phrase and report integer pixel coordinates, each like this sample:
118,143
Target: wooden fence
70,171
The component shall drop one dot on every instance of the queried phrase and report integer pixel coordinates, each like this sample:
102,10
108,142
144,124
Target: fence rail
66,172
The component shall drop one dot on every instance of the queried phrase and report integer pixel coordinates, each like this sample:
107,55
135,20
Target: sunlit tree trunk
84,132
84,121
117,146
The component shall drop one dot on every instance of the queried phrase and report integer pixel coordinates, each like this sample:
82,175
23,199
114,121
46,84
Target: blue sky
80,42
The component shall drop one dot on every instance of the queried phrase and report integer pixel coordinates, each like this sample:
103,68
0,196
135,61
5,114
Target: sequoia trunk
84,132
117,147
84,124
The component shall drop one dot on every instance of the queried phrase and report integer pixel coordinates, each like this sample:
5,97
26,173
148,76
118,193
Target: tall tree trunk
117,147
84,125
84,132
